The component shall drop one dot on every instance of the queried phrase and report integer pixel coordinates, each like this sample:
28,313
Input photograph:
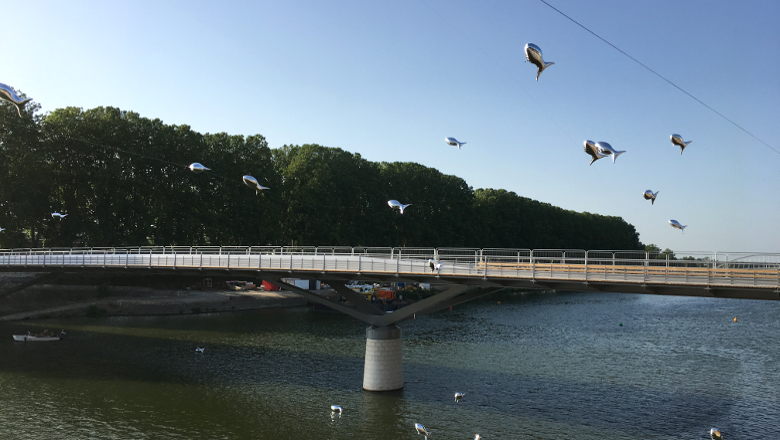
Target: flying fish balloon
396,204
195,167
675,224
533,54
8,94
650,195
606,150
252,183
590,148
454,142
678,140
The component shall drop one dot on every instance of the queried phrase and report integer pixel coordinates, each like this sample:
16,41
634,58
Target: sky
391,79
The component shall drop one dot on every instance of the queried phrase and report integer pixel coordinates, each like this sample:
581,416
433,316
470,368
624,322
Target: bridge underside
479,281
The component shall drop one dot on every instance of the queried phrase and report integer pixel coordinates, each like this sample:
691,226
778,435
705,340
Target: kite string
660,76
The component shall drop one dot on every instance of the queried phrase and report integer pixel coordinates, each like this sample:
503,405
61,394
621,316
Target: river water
534,366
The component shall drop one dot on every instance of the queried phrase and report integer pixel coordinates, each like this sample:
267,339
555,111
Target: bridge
467,273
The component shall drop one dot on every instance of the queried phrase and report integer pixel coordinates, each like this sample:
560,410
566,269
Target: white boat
39,337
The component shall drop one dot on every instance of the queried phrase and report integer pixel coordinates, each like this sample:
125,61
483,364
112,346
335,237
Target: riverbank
64,301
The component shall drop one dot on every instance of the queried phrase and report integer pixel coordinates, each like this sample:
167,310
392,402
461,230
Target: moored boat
46,336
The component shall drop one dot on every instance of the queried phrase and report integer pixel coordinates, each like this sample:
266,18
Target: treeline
122,180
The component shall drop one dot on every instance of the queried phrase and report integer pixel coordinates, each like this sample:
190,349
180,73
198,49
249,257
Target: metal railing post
586,266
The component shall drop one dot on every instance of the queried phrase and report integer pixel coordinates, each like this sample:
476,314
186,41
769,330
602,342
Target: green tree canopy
122,180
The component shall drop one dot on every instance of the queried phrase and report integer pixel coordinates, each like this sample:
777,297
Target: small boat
46,336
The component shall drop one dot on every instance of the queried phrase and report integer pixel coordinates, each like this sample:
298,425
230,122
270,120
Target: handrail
534,265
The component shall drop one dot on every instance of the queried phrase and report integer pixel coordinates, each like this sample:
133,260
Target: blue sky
391,80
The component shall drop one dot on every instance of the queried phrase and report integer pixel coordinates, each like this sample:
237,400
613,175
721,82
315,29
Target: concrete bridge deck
739,275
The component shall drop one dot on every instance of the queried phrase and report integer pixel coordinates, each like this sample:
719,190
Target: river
533,366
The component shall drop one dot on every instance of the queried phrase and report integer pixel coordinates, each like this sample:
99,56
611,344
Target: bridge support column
384,359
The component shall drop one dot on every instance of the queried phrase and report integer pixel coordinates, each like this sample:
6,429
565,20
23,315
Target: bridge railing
703,268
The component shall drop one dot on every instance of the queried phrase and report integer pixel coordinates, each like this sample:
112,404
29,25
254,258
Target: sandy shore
152,302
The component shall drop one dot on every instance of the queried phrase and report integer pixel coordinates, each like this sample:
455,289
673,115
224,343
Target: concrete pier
384,359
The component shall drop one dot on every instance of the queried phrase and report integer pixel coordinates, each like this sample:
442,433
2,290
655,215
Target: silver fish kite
649,195
58,215
454,142
675,224
195,167
678,140
336,409
590,148
606,150
458,396
252,183
533,54
8,94
396,204
715,434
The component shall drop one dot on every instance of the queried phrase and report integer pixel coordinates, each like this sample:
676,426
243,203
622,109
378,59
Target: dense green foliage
122,180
